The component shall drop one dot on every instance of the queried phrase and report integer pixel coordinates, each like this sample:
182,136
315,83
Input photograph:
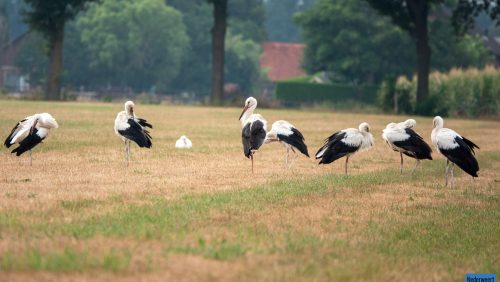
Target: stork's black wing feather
415,146
296,140
245,138
334,148
28,143
258,134
144,123
11,135
137,134
252,137
470,144
462,156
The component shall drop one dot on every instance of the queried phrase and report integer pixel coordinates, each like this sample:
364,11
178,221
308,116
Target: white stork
131,128
403,139
288,135
254,128
183,143
345,143
456,148
29,132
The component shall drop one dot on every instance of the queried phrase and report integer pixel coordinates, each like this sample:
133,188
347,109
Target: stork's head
438,122
410,123
270,137
129,108
46,120
250,105
364,127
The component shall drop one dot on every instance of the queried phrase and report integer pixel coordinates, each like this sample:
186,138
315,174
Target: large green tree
242,62
250,17
49,18
466,12
194,75
4,31
279,19
364,47
356,43
135,43
218,40
32,60
412,16
245,19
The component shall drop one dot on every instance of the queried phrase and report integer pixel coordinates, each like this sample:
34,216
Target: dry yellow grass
83,159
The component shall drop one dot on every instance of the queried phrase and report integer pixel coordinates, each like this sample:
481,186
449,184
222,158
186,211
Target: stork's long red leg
446,173
346,161
401,154
251,157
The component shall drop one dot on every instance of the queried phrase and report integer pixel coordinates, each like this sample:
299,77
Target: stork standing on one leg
345,143
288,135
254,129
456,148
403,139
131,128
29,132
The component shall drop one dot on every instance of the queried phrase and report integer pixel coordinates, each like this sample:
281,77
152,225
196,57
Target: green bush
468,93
400,89
385,95
294,92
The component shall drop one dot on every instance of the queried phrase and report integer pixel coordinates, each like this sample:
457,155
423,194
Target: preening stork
456,148
403,139
288,135
254,129
29,132
345,143
131,128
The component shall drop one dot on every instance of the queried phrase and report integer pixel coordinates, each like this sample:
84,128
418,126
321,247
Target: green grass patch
79,205
221,226
67,260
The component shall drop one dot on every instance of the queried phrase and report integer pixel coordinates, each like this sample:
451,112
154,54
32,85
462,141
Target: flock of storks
401,137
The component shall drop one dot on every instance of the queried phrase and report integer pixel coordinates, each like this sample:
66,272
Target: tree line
196,46
143,45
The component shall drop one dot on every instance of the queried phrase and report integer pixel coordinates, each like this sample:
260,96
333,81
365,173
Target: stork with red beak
254,129
29,132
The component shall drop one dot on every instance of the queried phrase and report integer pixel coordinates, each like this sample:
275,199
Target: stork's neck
130,113
245,116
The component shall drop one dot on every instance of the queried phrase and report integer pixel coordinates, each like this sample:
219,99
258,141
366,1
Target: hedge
468,93
305,92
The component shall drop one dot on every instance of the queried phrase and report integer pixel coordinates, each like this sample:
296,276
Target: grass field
80,214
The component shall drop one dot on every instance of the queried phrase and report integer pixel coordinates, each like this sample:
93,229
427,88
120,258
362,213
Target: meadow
79,213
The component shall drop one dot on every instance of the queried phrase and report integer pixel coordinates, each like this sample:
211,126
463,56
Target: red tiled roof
282,60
